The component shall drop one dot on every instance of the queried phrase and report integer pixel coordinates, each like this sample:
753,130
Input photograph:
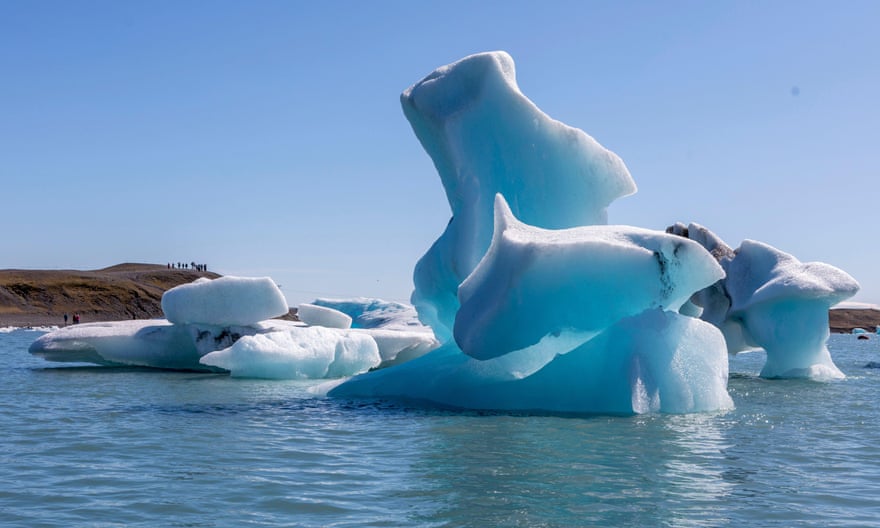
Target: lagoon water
93,446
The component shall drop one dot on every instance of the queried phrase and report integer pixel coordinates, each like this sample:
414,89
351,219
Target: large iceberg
485,137
769,299
549,312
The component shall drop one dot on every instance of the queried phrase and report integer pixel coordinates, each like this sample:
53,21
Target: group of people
75,319
191,266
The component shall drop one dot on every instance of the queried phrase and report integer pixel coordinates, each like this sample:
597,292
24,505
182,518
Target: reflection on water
695,472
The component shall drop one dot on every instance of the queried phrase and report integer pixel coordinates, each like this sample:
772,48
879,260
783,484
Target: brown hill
124,291
843,320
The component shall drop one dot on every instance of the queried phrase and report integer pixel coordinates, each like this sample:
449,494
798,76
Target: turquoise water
88,446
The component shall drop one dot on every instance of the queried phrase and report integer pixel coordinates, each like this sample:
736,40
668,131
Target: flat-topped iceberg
224,301
306,353
314,315
273,348
202,316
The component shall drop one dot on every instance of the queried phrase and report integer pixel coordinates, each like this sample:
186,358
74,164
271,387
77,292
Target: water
88,446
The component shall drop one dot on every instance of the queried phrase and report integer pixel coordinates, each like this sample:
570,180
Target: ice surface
536,282
302,353
485,137
771,300
314,315
224,301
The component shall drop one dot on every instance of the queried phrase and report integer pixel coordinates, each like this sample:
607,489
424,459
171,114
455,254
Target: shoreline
841,320
44,321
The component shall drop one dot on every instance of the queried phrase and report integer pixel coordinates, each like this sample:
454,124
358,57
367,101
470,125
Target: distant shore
36,298
40,298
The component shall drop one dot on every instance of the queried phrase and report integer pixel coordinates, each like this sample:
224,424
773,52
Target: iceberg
224,301
314,315
485,137
580,320
306,353
144,343
376,313
539,306
273,349
769,299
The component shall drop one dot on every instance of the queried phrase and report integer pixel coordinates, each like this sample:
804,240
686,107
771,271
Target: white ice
224,301
771,300
303,353
485,137
314,315
145,343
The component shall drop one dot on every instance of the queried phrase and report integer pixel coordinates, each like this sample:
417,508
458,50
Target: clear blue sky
266,138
